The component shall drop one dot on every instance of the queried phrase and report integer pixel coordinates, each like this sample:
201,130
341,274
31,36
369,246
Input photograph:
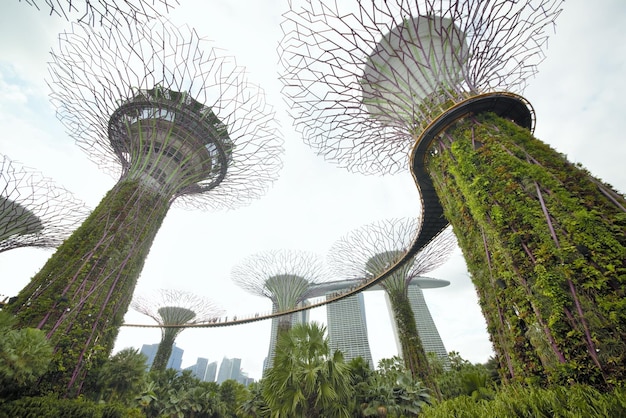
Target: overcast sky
578,97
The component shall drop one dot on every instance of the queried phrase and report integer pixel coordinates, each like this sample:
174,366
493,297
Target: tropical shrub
24,357
51,406
516,401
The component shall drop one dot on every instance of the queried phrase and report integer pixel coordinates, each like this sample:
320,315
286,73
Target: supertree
286,277
544,241
104,12
176,122
171,307
34,211
369,251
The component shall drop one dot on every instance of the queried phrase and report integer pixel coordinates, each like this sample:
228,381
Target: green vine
546,249
81,294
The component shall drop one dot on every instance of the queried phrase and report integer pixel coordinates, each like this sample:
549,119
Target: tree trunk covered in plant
545,243
516,362
81,294
164,351
413,352
280,326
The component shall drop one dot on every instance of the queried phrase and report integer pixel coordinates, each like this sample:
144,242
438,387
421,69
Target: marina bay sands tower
347,322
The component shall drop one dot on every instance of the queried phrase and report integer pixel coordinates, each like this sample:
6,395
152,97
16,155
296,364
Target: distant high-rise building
175,361
347,328
229,369
301,317
431,340
347,325
204,370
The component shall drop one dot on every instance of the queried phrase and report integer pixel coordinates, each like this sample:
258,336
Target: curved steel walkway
506,105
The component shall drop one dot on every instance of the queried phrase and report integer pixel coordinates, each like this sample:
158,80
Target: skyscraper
174,362
347,324
347,328
229,369
204,370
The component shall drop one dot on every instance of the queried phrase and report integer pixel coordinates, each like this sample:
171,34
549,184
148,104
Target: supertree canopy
175,120
34,211
169,308
369,251
286,277
362,83
437,81
104,12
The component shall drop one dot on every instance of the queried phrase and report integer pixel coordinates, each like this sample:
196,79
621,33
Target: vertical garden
545,243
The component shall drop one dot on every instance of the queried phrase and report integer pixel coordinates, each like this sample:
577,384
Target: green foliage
164,351
403,398
105,256
516,401
413,353
546,250
122,376
232,394
464,378
253,405
391,391
52,407
361,377
168,393
24,356
307,380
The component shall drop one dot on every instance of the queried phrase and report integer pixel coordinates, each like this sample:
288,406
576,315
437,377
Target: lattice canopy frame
34,211
108,13
172,307
359,100
114,90
283,276
367,252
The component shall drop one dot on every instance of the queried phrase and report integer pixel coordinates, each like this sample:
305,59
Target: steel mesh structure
104,12
286,277
364,119
438,81
34,211
171,307
369,251
175,120
148,75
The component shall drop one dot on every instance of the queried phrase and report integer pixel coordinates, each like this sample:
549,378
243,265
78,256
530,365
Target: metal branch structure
439,82
34,211
104,12
286,277
369,251
171,307
362,82
178,123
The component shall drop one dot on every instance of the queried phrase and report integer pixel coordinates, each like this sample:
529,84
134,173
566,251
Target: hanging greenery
545,244
80,296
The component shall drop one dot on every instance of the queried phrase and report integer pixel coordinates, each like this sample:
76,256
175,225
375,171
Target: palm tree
122,376
307,380
24,356
394,391
254,406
